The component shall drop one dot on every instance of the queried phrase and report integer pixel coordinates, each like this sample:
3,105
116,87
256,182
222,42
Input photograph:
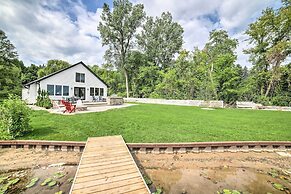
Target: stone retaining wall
200,103
157,148
252,105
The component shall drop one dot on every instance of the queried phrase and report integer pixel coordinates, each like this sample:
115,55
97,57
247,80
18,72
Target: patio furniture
72,99
69,107
80,106
98,99
56,105
94,99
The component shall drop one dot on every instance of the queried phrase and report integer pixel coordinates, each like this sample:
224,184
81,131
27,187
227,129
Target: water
211,180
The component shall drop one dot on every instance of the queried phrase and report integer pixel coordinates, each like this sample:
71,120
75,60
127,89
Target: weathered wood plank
104,187
95,167
105,171
107,163
89,177
107,166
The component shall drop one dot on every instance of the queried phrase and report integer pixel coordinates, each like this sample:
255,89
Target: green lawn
163,123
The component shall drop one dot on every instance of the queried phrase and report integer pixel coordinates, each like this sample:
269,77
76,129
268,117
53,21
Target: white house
77,80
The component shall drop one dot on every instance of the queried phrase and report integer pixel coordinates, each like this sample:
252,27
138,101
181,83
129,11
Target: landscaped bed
164,123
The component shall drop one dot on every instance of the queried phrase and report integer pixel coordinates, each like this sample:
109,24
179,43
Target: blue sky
92,5
67,29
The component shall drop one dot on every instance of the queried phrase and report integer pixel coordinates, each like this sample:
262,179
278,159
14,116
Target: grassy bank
164,123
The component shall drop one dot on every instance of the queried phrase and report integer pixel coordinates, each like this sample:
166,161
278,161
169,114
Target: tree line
145,59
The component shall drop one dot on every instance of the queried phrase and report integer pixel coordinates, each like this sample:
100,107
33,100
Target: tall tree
52,66
9,70
118,30
182,80
29,73
220,50
113,78
270,40
160,39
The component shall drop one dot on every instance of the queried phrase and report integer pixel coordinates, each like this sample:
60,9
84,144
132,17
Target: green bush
14,118
281,100
263,100
43,99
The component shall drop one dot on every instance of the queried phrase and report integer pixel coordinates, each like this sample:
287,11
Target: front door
80,92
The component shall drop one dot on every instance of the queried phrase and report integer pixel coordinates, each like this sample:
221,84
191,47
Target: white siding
29,94
67,78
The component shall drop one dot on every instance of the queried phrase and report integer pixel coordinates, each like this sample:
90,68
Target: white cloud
242,58
43,30
195,34
198,18
41,33
238,14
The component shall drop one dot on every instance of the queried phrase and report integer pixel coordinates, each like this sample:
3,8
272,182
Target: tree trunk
269,87
274,77
126,84
212,82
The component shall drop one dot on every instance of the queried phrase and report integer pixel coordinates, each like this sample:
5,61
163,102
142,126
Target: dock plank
107,166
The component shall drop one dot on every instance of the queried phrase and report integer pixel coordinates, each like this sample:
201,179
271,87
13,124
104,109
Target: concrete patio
90,108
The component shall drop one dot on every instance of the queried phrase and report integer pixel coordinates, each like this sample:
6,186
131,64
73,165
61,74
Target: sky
67,29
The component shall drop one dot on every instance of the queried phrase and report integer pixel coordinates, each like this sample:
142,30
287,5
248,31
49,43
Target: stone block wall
199,103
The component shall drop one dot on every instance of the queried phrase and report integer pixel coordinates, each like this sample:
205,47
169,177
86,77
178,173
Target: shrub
14,118
281,100
263,100
43,99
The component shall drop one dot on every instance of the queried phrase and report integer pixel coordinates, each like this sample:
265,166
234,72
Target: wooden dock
107,166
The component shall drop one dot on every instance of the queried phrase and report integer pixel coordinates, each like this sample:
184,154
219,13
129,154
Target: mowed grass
164,123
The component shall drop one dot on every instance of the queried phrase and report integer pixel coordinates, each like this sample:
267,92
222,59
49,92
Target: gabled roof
52,74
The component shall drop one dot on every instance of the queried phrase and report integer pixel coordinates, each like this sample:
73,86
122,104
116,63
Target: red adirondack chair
69,107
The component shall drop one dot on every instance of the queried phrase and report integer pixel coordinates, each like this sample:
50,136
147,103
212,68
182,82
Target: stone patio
90,109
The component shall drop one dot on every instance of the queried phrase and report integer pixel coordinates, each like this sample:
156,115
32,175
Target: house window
80,77
96,91
101,91
58,90
91,91
65,90
50,90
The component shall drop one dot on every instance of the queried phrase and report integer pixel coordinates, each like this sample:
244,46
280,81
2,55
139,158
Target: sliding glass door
80,92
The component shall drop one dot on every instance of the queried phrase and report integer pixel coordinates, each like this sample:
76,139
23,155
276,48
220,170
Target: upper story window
80,77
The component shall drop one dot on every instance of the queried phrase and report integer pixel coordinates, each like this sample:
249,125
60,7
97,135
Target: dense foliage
118,29
51,67
269,80
10,73
160,39
43,100
29,73
14,118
